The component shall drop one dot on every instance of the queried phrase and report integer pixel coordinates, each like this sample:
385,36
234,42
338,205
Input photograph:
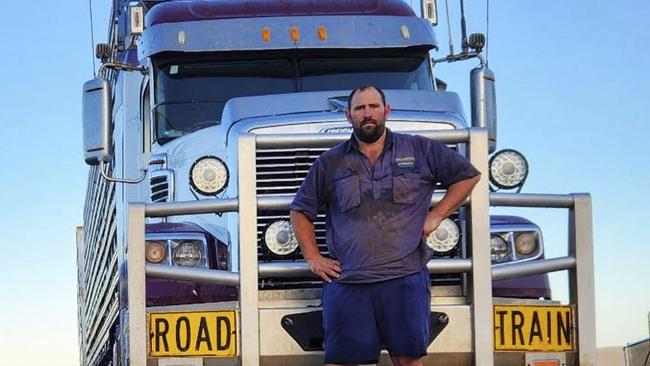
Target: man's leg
351,335
403,312
406,361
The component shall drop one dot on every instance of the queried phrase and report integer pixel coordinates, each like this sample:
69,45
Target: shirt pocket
406,187
348,191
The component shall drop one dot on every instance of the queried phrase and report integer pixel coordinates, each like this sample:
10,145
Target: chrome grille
160,183
281,171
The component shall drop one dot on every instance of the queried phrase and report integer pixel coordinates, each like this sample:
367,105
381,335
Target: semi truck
199,127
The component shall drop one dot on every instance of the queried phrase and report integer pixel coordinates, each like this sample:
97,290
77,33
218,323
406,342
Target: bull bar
579,261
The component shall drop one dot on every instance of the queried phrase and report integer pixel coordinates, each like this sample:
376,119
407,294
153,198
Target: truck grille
280,172
160,185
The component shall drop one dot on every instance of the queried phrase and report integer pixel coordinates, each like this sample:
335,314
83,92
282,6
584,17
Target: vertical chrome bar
136,286
481,276
581,279
248,301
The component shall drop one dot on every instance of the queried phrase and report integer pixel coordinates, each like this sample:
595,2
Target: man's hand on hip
325,268
456,194
431,223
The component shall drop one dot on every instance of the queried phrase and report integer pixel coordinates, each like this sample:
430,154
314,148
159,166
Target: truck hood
241,108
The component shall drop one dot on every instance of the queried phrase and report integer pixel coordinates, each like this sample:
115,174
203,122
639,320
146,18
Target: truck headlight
187,254
209,175
526,243
498,248
445,237
155,251
280,239
508,169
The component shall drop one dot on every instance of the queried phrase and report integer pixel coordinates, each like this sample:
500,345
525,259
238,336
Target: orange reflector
295,35
322,33
155,251
546,363
266,34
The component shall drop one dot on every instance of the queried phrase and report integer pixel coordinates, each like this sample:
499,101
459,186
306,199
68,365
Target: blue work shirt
375,213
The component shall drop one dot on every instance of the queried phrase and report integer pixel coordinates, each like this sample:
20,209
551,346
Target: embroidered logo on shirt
407,162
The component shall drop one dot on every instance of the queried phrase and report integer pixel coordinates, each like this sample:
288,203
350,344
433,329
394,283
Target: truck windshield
191,95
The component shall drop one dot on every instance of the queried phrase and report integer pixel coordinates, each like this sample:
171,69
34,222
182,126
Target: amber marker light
546,363
295,35
266,34
322,33
155,251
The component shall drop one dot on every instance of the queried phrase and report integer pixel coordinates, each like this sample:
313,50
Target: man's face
368,114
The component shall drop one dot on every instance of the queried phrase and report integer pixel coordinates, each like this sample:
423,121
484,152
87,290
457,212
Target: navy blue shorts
359,318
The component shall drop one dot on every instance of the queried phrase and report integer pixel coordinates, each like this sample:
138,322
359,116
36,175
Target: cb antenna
463,27
92,37
451,37
487,44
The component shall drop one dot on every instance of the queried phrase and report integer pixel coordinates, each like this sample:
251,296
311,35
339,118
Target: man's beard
369,136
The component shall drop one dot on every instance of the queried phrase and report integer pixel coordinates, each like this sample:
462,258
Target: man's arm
323,267
456,194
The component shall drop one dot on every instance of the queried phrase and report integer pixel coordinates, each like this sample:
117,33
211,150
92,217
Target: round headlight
526,243
508,169
445,237
498,248
280,239
209,175
155,251
187,254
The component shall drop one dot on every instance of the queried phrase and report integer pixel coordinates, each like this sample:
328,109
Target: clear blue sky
572,84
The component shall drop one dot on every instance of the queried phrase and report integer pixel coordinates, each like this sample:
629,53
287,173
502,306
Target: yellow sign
546,328
206,334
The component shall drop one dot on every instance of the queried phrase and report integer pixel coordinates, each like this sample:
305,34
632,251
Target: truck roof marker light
406,34
266,34
181,38
322,33
295,34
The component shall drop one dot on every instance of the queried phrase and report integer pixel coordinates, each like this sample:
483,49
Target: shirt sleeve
312,193
448,166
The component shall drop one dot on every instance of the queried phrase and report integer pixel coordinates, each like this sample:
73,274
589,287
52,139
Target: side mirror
484,103
97,126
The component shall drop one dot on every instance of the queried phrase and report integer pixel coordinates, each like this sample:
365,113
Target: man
376,189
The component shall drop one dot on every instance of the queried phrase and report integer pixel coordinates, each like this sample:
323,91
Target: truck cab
183,83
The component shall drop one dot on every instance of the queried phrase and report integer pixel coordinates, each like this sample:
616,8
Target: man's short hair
366,87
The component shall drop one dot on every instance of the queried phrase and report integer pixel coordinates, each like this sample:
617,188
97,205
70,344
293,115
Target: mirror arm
125,67
459,57
121,180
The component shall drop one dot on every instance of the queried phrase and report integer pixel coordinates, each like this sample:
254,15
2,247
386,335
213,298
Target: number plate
546,328
205,334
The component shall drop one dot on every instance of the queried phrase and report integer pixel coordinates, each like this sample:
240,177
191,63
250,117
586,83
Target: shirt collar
352,143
